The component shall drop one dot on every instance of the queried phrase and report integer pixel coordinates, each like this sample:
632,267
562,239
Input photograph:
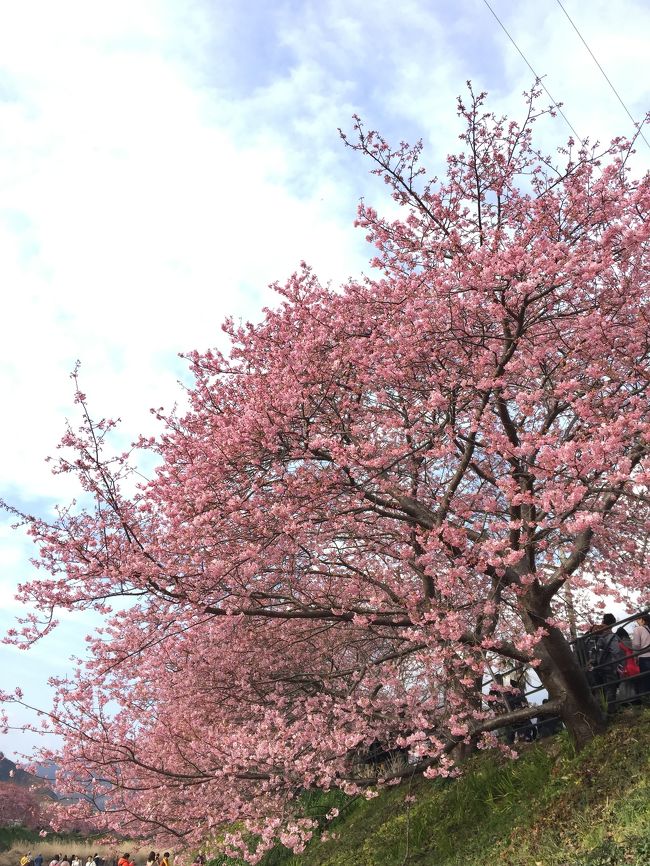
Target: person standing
584,648
629,667
641,649
516,700
607,656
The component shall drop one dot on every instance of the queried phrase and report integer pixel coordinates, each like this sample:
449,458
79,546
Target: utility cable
605,76
537,77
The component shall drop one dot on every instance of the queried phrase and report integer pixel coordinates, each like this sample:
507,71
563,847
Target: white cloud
144,225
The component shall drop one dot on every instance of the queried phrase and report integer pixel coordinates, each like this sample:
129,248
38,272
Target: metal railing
607,687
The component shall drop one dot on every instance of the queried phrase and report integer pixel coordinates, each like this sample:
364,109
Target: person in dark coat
607,656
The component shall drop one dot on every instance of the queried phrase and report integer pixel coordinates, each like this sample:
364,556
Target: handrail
576,644
573,643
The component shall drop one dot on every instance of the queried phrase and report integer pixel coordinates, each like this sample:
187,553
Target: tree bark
562,676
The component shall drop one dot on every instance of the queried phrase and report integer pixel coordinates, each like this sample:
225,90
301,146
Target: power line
605,76
537,77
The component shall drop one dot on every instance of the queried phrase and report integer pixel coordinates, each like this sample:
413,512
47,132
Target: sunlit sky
162,162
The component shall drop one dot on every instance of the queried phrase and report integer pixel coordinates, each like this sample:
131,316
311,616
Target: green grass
549,808
9,835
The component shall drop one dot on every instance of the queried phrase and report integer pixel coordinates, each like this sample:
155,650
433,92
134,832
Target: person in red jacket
628,667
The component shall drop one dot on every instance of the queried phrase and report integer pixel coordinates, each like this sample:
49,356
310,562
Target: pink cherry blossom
383,491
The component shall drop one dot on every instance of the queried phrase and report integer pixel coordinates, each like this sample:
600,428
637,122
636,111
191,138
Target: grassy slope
549,808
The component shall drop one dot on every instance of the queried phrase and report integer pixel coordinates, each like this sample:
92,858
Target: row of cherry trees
19,807
383,491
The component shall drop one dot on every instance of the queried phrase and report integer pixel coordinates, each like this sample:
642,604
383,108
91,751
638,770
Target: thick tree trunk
562,676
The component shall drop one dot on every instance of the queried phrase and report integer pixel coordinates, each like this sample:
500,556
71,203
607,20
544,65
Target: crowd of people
617,666
153,859
65,860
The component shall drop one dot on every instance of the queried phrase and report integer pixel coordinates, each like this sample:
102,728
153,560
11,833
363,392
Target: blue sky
161,162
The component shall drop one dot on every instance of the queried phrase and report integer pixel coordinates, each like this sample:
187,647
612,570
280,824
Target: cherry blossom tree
18,807
380,493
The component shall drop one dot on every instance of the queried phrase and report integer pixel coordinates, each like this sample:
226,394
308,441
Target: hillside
10,772
38,783
549,808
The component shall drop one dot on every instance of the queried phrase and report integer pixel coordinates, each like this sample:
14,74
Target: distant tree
18,807
381,488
